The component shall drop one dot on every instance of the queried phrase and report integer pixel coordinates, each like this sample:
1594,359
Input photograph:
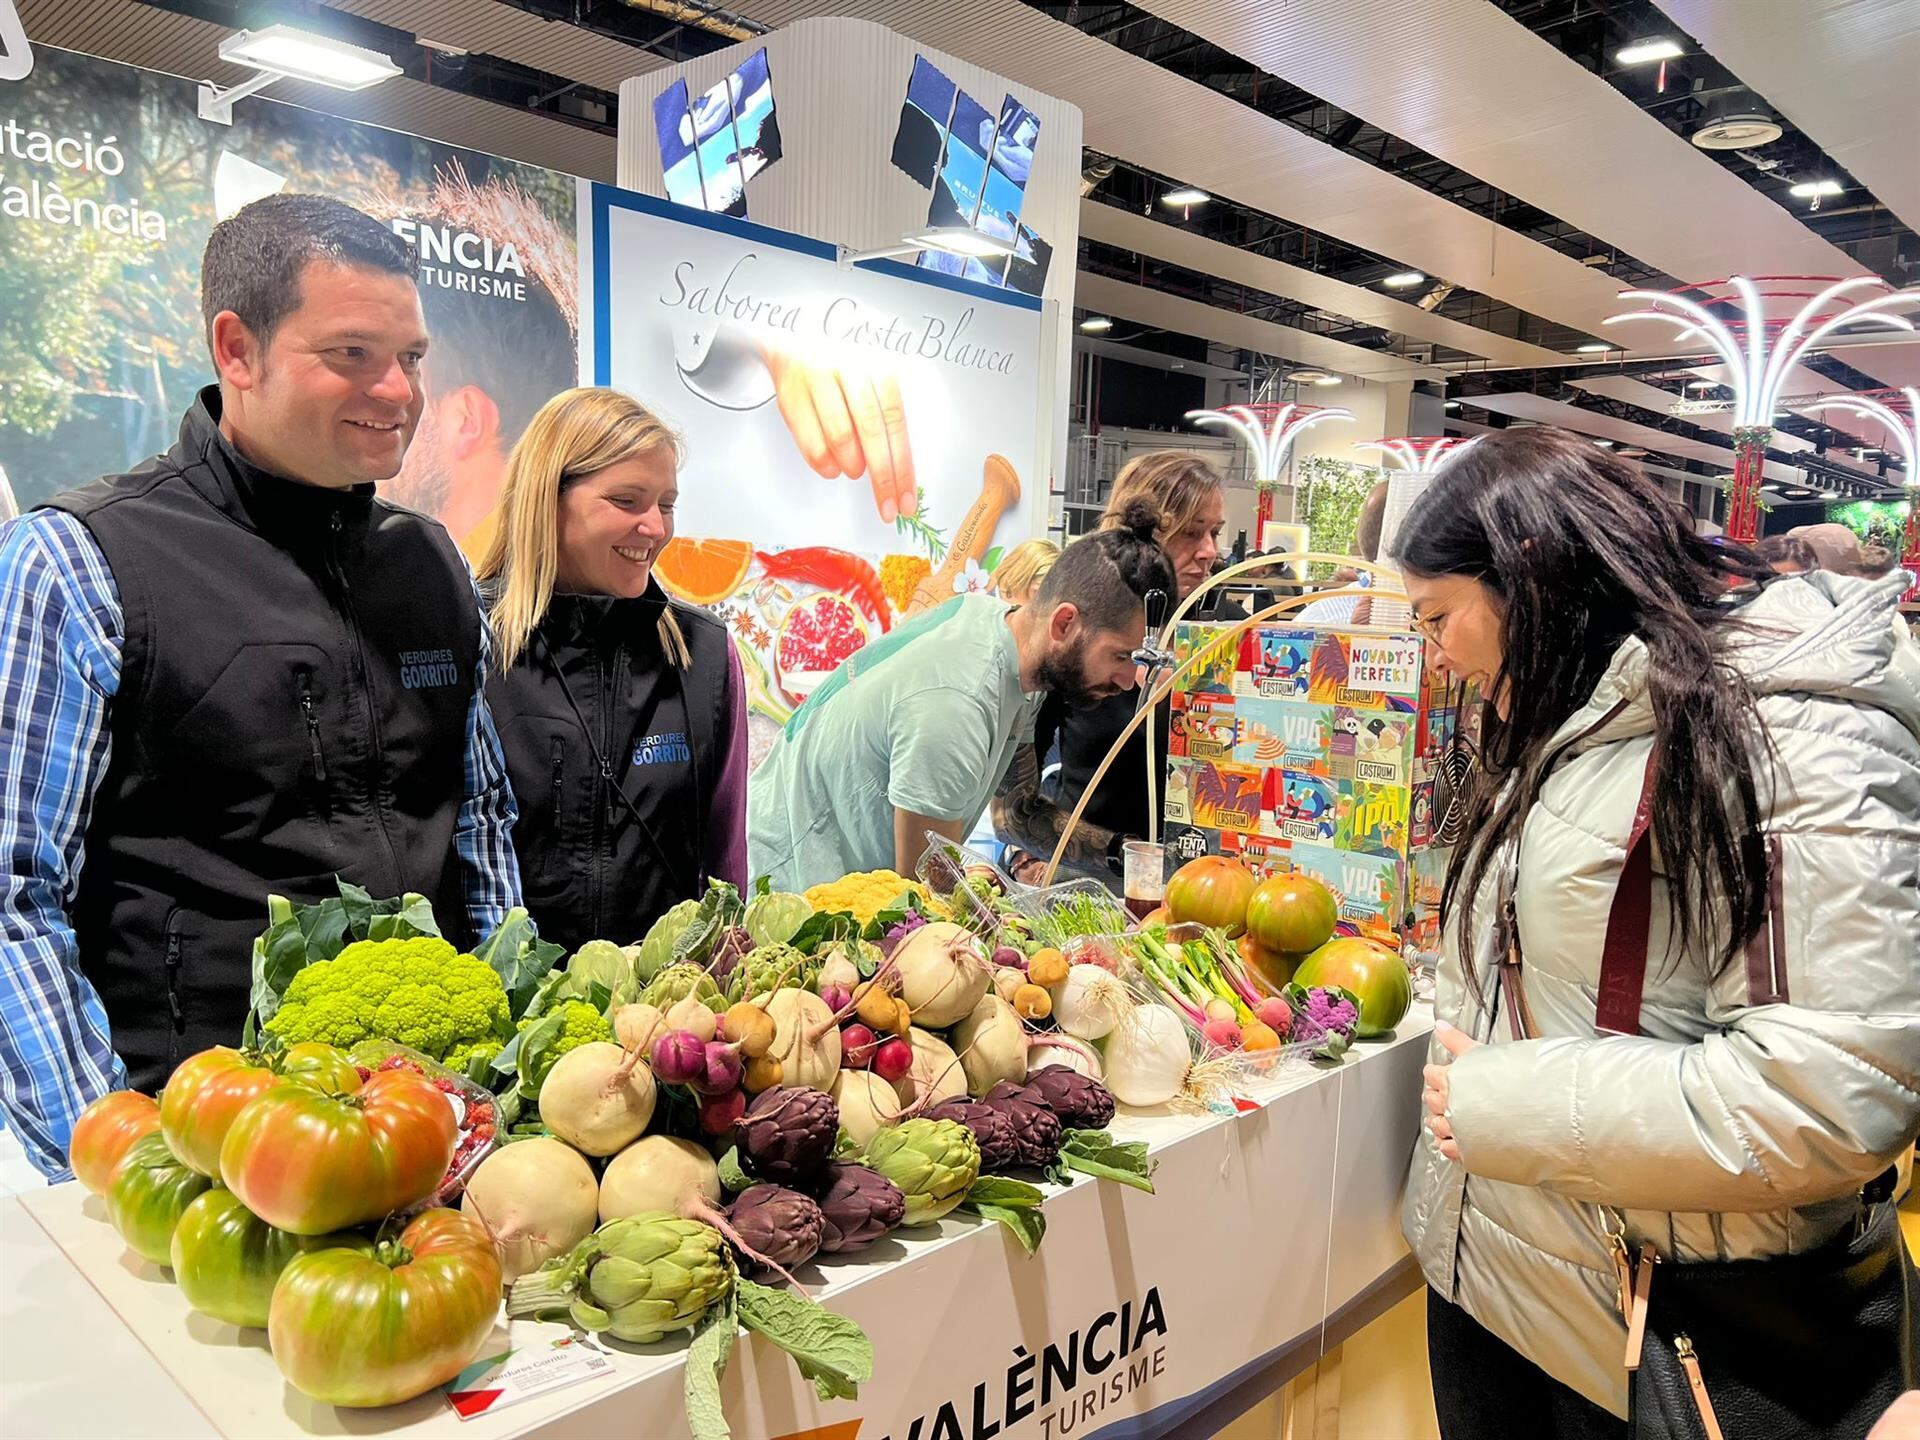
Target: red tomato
1212,891
207,1091
348,1328
105,1131
309,1162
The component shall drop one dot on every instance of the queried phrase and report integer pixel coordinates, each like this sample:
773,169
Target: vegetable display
539,1197
355,1328
207,1092
934,1162
419,991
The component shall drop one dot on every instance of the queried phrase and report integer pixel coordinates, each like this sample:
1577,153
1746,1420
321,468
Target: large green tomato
349,1328
1372,971
1291,914
207,1092
310,1162
1211,891
150,1191
226,1259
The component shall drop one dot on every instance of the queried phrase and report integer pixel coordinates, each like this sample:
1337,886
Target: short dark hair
1787,549
520,352
255,257
1373,520
1108,574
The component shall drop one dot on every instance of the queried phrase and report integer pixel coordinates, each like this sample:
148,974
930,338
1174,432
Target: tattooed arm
1031,821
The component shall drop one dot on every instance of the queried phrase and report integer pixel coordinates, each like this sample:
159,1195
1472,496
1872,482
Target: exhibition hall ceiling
1500,150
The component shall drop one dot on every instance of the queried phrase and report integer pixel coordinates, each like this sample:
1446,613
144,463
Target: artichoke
733,946
777,1225
934,1162
858,1205
637,1279
1081,1102
1036,1129
787,1134
992,1130
676,983
769,967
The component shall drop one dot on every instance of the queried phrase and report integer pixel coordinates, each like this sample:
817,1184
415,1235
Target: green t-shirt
924,719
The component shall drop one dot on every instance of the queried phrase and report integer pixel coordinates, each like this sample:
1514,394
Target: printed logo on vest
428,669
666,748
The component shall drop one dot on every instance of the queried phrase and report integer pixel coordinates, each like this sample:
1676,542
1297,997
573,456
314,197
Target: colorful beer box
1185,842
1218,654
1285,734
1367,888
1420,815
1382,747
1374,819
1204,727
1179,802
1301,807
1275,664
1224,796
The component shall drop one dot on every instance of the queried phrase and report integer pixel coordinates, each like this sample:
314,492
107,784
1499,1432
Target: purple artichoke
734,945
992,1129
858,1205
1036,1129
782,1225
787,1134
1081,1102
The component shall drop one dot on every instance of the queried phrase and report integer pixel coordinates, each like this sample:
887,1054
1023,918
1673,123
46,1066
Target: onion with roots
1090,1002
1053,1048
598,1098
1149,1061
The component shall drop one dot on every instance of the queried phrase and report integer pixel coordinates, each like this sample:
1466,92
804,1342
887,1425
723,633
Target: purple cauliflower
1327,1017
775,1224
993,1129
1036,1129
891,940
787,1134
1081,1102
858,1205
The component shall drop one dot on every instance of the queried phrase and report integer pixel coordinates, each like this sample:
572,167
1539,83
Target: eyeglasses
1430,627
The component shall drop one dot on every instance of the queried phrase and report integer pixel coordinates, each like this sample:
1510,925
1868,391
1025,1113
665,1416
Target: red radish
893,1060
857,1044
720,1070
679,1057
1009,957
1276,1015
718,1112
1222,1034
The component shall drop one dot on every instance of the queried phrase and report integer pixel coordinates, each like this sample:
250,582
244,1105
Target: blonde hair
577,433
1175,482
1022,569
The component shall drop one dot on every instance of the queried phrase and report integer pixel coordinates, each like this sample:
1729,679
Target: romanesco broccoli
580,1024
419,992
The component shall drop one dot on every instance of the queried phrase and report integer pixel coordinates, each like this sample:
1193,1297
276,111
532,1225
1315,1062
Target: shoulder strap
1623,960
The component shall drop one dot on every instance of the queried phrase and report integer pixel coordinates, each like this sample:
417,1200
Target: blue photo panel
673,129
963,165
923,121
1012,162
719,150
754,121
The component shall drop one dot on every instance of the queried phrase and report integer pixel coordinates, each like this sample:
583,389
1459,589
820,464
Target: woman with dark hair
1697,774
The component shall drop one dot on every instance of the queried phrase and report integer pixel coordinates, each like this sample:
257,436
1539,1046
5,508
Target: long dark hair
1583,551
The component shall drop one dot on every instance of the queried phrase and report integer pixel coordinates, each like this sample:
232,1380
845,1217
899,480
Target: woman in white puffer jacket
1776,1068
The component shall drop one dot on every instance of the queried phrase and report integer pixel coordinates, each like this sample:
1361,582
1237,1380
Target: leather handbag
1791,1347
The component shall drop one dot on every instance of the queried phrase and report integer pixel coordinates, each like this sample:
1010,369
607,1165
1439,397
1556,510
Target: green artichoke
934,1162
770,967
637,1279
677,982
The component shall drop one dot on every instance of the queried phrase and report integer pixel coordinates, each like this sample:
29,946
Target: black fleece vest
295,678
595,866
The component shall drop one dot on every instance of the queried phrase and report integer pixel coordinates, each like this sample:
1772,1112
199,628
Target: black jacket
296,673
614,753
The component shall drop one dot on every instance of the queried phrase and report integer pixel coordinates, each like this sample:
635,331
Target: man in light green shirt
913,732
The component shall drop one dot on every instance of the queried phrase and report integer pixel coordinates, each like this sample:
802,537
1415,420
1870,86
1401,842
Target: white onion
1147,1056
1090,1002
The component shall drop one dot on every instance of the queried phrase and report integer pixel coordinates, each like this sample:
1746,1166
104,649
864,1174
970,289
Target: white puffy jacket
1726,1129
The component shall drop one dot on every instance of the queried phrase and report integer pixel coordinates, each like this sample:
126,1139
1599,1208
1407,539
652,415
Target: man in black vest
236,671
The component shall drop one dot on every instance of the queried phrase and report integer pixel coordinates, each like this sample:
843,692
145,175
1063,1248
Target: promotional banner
109,185
892,412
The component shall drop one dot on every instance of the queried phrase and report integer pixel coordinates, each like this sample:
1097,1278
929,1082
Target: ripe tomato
310,1162
1212,891
226,1259
349,1328
1291,914
150,1191
207,1091
105,1131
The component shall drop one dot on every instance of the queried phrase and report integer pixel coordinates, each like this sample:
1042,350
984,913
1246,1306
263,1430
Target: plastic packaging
1060,914
475,1111
1197,973
950,871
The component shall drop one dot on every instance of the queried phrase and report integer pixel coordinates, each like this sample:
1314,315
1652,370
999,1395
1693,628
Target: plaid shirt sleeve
60,629
483,836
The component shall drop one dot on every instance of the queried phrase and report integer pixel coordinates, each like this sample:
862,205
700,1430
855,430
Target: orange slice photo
703,572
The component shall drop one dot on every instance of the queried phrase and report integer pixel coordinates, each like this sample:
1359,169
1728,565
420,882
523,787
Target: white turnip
943,973
659,1173
867,1104
638,1025
539,1199
692,1015
598,1098
806,1039
1058,1048
992,1044
1090,1002
1007,982
838,970
935,1075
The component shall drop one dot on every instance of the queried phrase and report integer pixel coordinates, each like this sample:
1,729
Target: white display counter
1273,1236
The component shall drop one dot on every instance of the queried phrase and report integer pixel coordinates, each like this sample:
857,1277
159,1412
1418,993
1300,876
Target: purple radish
679,1058
721,1071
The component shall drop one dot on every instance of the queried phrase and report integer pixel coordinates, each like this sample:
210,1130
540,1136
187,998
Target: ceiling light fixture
1405,280
1604,444
1593,347
286,52
1328,380
1096,324
1703,384
960,240
1452,405
1736,120
1815,189
1186,195
1644,52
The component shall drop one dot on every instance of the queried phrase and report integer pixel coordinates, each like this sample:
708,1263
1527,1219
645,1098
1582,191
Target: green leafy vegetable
1012,1203
1096,1153
829,1349
520,958
707,1360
